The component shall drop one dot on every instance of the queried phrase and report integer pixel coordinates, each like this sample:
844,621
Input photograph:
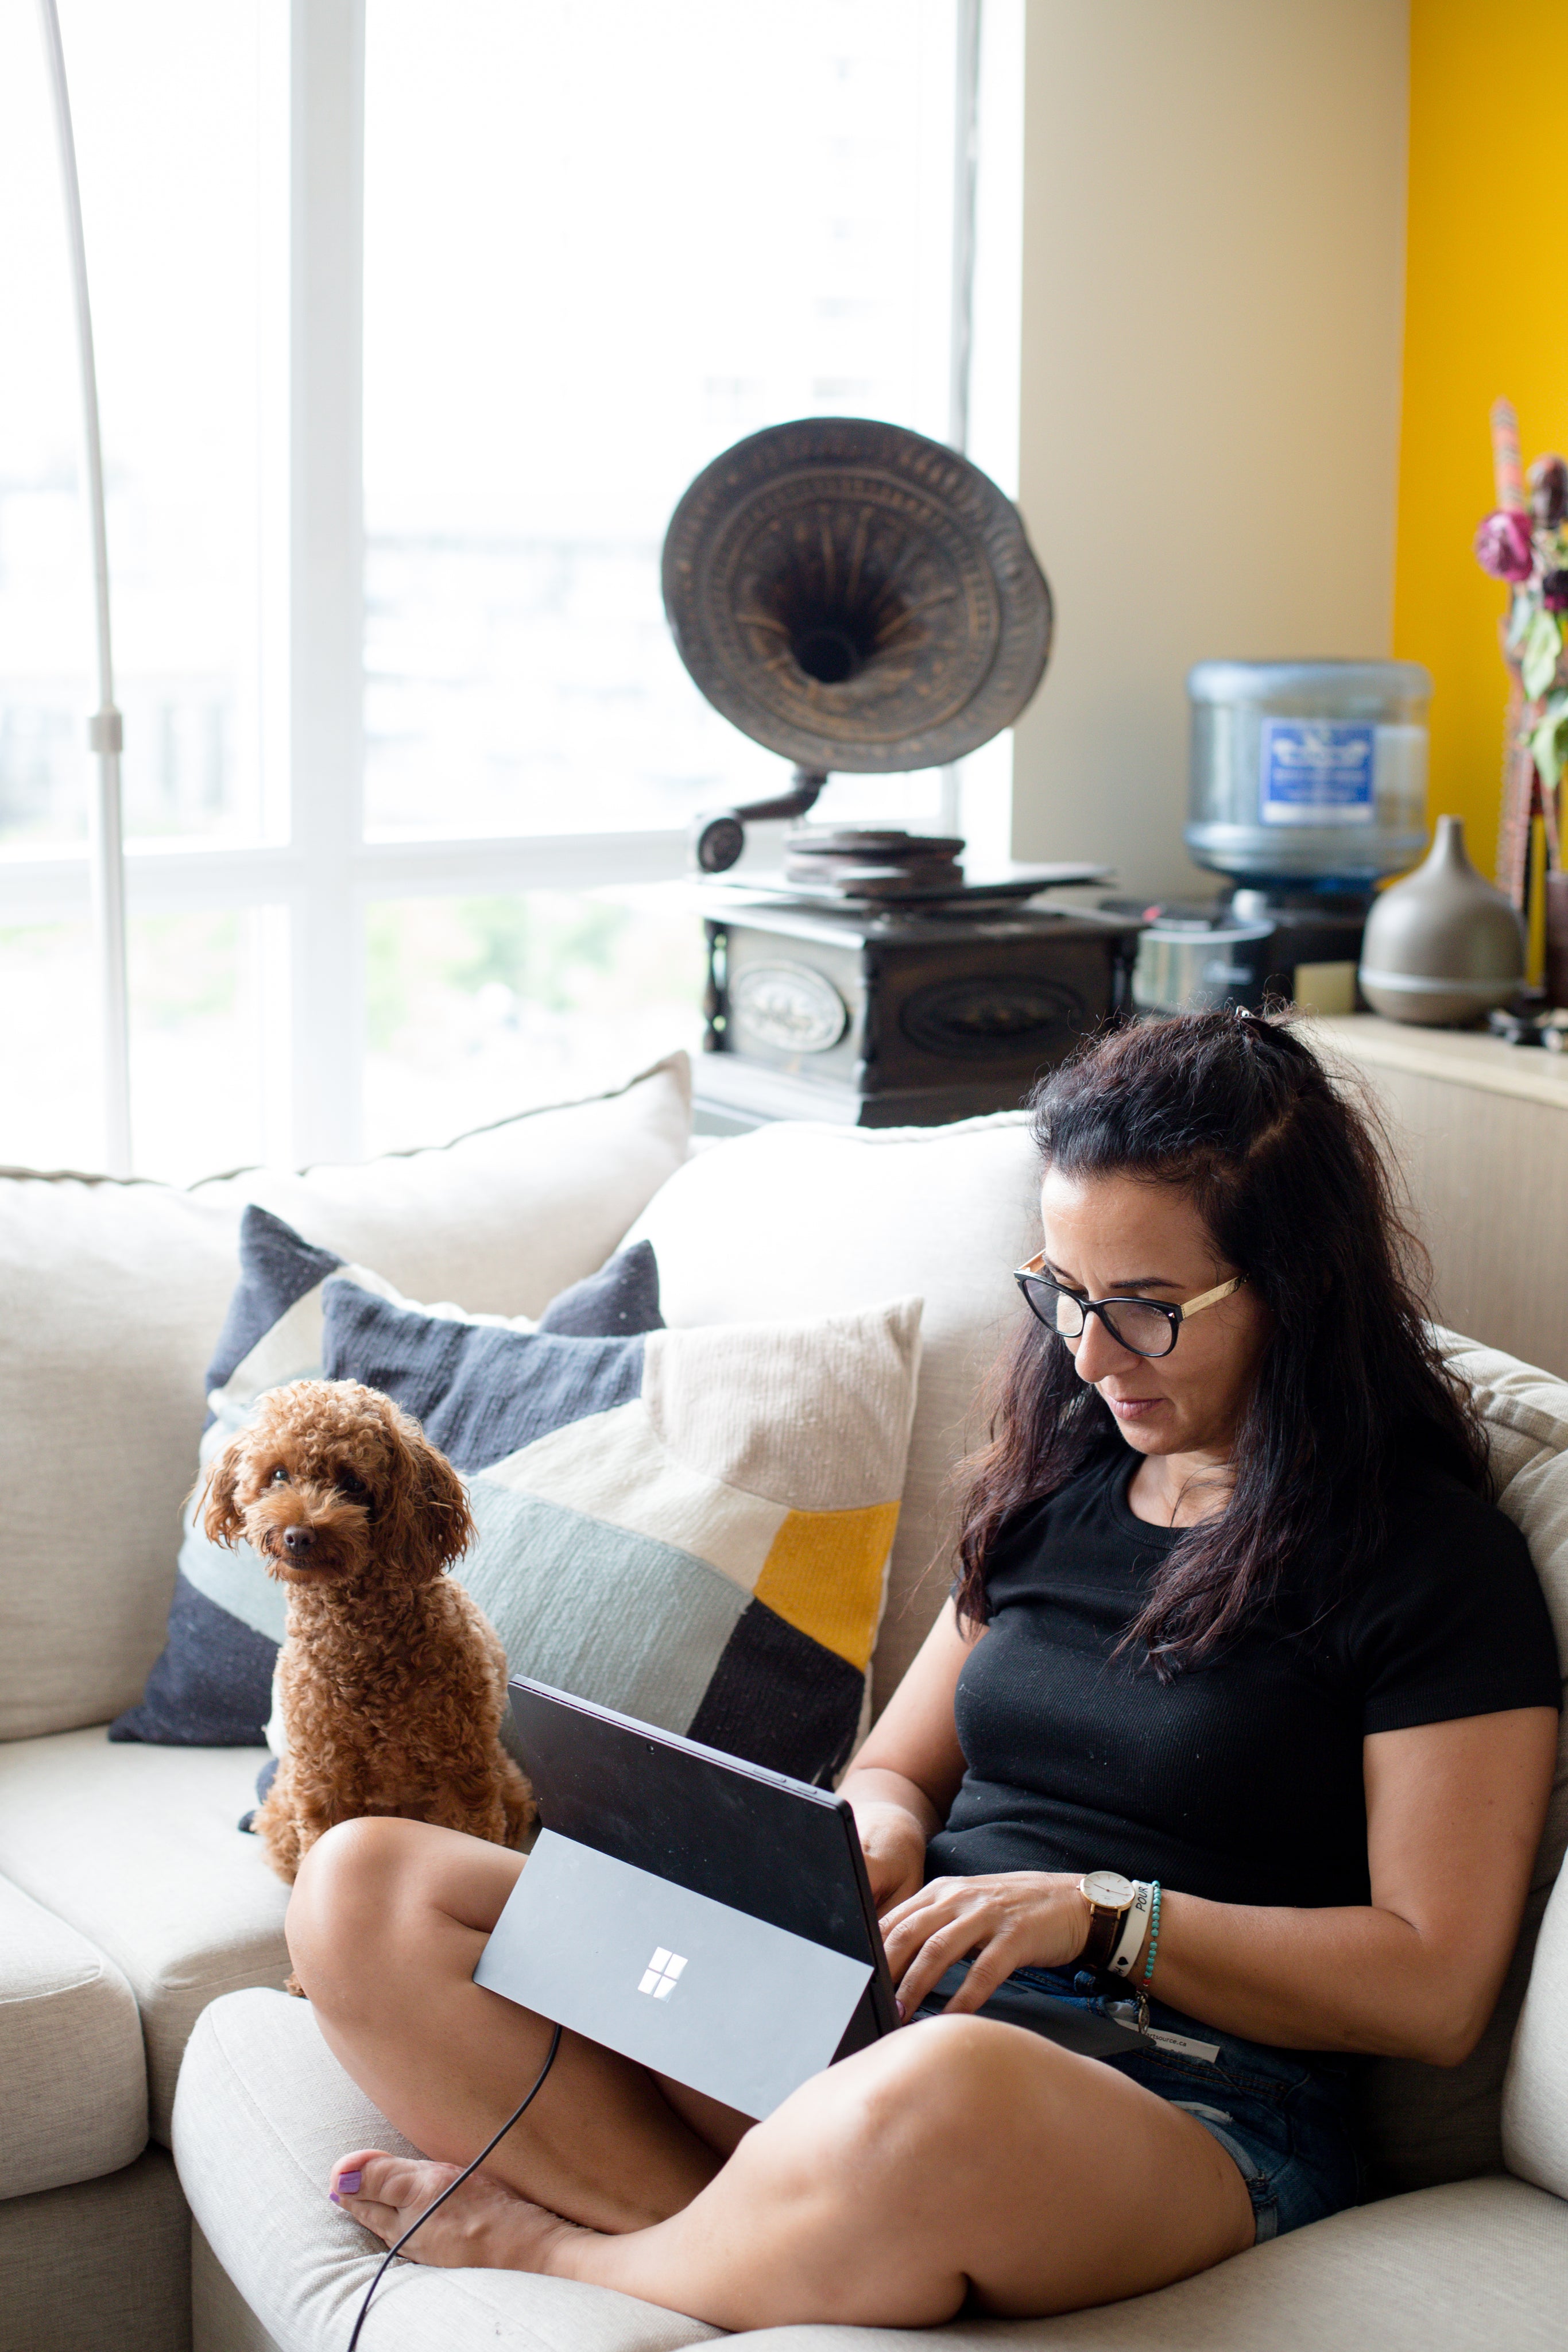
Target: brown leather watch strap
1105,1927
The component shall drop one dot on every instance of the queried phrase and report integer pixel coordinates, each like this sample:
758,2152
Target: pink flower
1503,545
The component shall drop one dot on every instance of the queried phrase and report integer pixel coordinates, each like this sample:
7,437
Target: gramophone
859,599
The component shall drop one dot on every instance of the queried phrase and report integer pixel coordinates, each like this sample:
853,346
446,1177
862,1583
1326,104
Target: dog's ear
425,1518
221,1520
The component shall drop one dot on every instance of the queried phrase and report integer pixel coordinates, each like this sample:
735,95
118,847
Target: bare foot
485,2226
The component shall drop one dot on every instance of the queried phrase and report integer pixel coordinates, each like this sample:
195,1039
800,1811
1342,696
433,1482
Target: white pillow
504,1218
799,1219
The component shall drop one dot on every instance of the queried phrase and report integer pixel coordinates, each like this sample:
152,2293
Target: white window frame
315,881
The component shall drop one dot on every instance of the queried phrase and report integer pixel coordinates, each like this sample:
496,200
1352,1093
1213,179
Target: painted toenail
349,2182
333,2198
899,2006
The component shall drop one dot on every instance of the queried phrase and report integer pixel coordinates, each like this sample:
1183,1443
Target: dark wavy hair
1286,1172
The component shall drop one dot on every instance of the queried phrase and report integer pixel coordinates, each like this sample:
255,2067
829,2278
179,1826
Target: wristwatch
1110,1897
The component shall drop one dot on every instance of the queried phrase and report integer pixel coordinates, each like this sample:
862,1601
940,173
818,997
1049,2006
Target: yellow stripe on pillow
823,1575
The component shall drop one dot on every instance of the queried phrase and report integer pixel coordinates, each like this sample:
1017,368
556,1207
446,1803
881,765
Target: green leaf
1546,751
1522,612
1542,646
1549,738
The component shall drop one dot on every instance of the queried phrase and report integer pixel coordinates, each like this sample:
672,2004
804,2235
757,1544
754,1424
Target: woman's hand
894,1845
1018,1919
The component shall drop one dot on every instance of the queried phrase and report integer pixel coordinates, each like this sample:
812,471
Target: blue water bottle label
1317,772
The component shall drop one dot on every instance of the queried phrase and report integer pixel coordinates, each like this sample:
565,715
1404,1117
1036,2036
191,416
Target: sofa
170,2116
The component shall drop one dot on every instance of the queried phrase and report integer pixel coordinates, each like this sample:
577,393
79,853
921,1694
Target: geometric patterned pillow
212,1685
690,1527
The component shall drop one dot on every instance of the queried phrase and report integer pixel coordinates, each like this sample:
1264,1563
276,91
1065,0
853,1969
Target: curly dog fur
392,1681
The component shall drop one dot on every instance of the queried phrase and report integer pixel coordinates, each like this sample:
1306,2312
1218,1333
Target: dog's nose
297,1539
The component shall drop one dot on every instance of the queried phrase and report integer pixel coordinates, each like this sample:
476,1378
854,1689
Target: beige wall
1213,255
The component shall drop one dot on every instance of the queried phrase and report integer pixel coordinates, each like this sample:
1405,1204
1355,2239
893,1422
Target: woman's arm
1454,1816
907,1776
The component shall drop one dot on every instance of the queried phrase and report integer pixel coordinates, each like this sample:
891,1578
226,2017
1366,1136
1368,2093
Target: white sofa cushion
815,1220
1474,2267
73,2080
1535,2095
264,2108
1426,2123
137,1849
1526,1415
114,1294
100,2266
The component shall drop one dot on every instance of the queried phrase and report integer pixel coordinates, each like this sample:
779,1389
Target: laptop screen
776,1848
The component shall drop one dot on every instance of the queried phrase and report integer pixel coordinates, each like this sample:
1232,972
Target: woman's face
1118,1238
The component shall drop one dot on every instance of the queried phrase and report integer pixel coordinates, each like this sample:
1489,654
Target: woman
1235,1614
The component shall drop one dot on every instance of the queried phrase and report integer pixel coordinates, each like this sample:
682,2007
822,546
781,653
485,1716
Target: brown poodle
392,1682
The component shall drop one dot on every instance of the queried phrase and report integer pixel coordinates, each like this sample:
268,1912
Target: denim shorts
1285,2117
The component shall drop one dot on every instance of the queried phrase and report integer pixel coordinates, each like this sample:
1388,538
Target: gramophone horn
854,597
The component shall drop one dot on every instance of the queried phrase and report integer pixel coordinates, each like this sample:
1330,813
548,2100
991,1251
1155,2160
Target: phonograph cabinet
860,598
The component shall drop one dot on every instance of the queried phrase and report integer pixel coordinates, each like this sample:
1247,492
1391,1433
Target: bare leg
954,2158
387,1920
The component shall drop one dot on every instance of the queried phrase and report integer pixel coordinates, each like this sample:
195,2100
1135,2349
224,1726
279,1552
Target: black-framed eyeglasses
1145,1327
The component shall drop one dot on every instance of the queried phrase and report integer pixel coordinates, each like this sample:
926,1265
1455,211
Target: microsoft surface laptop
707,1917
699,1914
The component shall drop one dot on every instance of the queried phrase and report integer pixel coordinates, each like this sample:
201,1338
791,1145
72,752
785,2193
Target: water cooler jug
1307,785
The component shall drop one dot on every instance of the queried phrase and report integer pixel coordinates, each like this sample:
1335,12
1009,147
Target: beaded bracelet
1153,1933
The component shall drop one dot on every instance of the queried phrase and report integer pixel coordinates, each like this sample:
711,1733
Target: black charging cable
393,2252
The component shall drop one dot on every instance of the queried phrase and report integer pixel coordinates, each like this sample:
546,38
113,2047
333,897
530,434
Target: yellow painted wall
1485,314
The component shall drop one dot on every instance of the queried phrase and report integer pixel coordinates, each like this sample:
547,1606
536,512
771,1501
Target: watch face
1107,1890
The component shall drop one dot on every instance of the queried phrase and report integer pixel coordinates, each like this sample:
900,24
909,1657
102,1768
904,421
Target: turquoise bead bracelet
1153,1933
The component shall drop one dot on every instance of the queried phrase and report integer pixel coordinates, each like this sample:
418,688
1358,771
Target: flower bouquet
1524,541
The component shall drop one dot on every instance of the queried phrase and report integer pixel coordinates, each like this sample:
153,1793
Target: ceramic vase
1442,947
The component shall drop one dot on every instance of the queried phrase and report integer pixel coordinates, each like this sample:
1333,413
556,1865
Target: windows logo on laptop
661,1974
746,1889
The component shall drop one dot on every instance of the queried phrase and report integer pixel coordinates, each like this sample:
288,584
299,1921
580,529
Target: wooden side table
1480,1133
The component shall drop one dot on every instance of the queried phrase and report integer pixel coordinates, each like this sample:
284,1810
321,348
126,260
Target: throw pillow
693,1526
851,1215
211,1686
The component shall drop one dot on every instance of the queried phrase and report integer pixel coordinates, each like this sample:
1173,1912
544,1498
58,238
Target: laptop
701,1914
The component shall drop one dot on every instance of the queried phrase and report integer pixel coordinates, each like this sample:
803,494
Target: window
167,96
747,216
413,321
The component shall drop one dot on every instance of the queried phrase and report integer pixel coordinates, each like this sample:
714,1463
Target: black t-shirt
1240,1779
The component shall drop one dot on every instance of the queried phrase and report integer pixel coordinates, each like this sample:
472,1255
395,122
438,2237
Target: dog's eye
348,1484
279,1476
